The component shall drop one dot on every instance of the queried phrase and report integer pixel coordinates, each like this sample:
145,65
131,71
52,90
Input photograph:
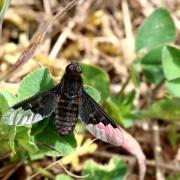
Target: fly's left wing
31,110
98,122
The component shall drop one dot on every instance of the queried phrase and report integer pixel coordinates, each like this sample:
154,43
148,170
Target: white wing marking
21,117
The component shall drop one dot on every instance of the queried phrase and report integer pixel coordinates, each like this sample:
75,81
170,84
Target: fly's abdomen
67,110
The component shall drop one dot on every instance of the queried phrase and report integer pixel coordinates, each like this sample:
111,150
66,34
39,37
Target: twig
114,61
47,7
127,21
177,22
47,42
79,19
155,133
39,172
157,151
152,94
12,171
6,155
60,41
128,31
1,22
147,7
158,86
71,174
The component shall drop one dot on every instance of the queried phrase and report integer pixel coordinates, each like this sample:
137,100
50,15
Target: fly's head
73,68
72,80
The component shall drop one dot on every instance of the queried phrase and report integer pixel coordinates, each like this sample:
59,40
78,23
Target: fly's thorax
72,85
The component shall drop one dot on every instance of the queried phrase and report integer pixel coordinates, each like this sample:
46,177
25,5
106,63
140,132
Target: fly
67,100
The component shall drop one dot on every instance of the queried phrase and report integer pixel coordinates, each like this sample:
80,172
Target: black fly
67,100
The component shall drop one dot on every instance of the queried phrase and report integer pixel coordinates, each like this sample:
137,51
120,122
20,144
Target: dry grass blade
71,174
36,40
5,5
39,172
157,152
0,28
11,171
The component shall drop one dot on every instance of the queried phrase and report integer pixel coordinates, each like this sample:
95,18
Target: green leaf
173,87
114,111
3,104
127,99
173,135
7,136
93,93
40,126
115,170
63,177
156,30
36,156
174,176
171,62
35,82
8,132
10,98
121,108
97,78
19,136
11,134
135,72
153,74
24,139
4,148
152,66
171,67
167,109
52,144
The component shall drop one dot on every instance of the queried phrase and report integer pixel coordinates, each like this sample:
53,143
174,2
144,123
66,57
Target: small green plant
159,62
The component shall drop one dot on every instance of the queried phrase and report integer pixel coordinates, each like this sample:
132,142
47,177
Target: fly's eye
71,67
78,69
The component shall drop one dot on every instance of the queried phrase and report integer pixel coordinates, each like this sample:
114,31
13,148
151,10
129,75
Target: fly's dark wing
31,110
98,122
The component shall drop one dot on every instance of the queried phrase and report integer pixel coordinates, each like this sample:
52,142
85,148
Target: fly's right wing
98,122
